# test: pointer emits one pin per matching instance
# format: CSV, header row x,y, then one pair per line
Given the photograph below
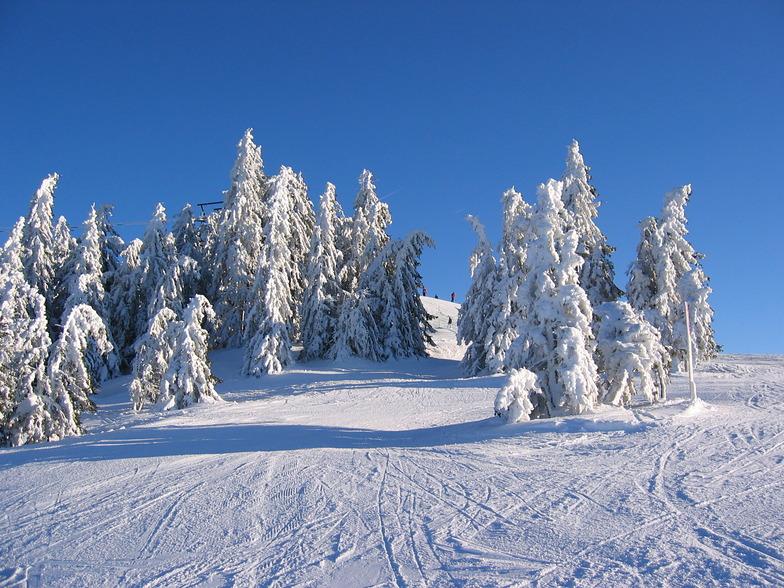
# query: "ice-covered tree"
x,y
270,323
476,317
556,338
78,360
323,295
521,398
38,239
237,245
189,379
154,349
666,272
368,231
630,356
579,196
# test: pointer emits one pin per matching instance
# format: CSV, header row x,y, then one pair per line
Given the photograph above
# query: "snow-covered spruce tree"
x,y
520,398
403,319
598,273
641,287
629,355
238,239
659,283
38,239
476,316
80,352
556,338
151,362
188,379
323,295
28,412
110,243
124,303
509,314
269,327
63,246
368,232
357,332
186,234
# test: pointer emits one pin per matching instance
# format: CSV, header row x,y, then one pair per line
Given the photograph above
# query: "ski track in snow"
x,y
396,474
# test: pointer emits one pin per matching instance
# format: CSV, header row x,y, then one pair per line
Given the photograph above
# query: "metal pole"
x,y
692,385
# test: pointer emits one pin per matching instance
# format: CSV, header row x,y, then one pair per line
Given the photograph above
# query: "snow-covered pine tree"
x,y
185,231
556,338
28,412
323,295
269,327
509,314
368,231
63,246
38,239
403,320
598,273
154,349
80,352
188,379
357,332
629,355
641,287
476,317
667,272
238,241
84,285
111,244
124,304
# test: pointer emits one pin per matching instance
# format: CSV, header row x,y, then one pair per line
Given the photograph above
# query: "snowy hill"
x,y
397,474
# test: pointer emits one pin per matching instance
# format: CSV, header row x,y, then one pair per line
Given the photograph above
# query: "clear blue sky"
x,y
449,103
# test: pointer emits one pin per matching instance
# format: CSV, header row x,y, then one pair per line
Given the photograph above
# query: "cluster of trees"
x,y
265,272
546,310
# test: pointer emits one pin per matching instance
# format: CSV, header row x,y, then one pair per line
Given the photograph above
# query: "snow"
x,y
397,474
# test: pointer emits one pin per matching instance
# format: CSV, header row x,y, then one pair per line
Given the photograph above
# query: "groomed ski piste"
x,y
398,474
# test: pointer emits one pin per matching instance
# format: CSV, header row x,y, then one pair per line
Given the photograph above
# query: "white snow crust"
x,y
398,474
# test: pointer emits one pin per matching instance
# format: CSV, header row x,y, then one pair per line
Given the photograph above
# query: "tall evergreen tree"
x,y
598,273
270,324
368,231
188,379
124,304
38,239
323,295
476,317
667,272
154,350
238,241
556,341
509,314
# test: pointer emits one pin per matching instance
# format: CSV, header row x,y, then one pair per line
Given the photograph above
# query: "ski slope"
x,y
397,474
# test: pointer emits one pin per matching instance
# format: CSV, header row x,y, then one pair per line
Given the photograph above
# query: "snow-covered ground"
x,y
397,474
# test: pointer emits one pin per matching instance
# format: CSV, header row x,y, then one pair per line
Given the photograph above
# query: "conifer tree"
x,y
630,356
476,317
598,273
666,272
78,355
270,323
323,295
509,314
28,413
368,231
154,350
38,239
124,304
238,241
188,379
556,340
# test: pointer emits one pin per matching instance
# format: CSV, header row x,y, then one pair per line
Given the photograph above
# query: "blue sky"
x,y
448,103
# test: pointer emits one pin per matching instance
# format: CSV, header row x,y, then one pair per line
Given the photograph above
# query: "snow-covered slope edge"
x,y
362,474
